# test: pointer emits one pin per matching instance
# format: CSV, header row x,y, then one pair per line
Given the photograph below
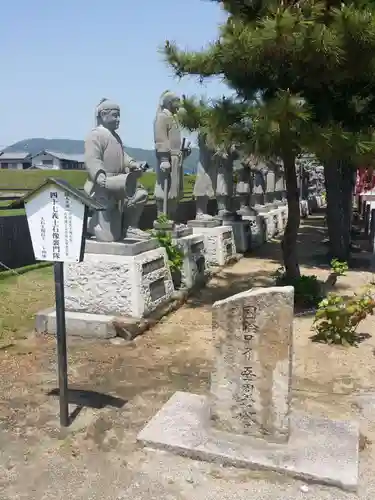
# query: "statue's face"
x,y
174,105
111,119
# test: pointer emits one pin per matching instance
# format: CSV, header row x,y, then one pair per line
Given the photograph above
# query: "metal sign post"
x,y
62,362
57,219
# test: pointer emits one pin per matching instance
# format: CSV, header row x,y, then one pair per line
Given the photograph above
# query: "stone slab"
x,y
119,285
204,223
127,247
176,231
98,326
319,449
193,272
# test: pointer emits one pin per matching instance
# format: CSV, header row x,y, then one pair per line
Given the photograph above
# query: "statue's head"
x,y
108,114
170,101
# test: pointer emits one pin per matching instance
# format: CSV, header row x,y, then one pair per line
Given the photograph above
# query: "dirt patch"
x,y
142,375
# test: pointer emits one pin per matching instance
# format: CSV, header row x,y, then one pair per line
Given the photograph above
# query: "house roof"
x,y
21,155
62,156
79,195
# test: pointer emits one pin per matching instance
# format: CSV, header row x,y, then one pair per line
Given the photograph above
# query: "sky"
x,y
59,58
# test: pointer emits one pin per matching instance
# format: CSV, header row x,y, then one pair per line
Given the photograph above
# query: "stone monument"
x,y
244,190
247,420
170,154
113,179
171,150
215,178
125,272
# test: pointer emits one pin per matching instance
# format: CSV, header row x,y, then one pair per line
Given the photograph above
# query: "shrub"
x,y
307,289
339,268
337,318
174,254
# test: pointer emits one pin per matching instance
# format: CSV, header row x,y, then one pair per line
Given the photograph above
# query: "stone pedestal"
x,y
129,278
257,229
219,241
284,216
241,234
246,420
193,270
269,224
304,208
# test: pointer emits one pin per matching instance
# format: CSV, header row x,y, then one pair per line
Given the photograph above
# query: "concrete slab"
x,y
204,223
128,247
319,450
78,324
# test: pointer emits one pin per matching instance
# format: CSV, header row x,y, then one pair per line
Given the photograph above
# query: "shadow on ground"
x,y
89,399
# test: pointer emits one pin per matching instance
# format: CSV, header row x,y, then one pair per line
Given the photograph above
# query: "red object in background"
x,y
365,180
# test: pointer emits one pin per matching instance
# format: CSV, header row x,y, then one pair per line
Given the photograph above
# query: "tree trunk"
x,y
289,242
339,188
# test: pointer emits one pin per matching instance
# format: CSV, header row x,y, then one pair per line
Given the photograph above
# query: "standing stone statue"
x,y
244,185
214,177
169,153
113,180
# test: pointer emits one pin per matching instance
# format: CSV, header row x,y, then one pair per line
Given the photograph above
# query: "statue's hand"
x,y
101,180
165,166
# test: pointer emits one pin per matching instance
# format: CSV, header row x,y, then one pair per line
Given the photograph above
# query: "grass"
x,y
20,298
19,180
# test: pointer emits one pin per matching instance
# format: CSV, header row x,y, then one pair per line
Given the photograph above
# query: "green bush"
x,y
174,254
339,268
337,318
307,289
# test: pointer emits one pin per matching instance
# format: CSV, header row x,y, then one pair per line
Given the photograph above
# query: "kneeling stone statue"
x,y
113,180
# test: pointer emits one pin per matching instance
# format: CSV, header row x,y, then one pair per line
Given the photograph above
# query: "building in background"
x,y
51,160
15,161
44,160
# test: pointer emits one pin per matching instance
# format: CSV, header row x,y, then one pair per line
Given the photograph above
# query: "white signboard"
x,y
55,221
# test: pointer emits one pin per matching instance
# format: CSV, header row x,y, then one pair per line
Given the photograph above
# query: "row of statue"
x,y
113,176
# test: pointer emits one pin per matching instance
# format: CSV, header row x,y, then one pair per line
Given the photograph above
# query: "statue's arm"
x,y
161,132
94,156
129,162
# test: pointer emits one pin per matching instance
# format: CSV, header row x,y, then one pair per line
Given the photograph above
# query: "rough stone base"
x,y
269,225
118,285
242,234
319,450
193,271
219,244
257,229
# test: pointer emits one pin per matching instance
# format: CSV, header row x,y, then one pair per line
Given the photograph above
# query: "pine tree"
x,y
312,64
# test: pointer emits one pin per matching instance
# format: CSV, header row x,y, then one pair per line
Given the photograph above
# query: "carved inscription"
x,y
245,396
157,289
153,265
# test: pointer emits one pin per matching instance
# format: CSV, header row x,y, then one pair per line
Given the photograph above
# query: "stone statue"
x,y
113,180
170,153
244,185
214,177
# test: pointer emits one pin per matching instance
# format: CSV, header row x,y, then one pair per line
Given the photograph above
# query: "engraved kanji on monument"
x,y
251,381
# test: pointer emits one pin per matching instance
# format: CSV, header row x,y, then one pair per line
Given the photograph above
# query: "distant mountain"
x,y
71,146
